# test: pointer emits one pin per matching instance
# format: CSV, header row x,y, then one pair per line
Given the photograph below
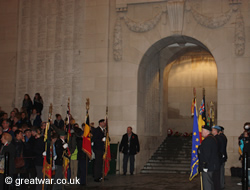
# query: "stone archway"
x,y
155,115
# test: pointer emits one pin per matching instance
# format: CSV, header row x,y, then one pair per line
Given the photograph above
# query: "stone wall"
x,y
192,70
8,52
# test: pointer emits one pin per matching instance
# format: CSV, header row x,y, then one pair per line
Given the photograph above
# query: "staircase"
x,y
173,156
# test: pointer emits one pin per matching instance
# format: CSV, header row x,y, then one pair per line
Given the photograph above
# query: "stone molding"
x,y
175,12
239,35
212,22
142,26
176,15
117,44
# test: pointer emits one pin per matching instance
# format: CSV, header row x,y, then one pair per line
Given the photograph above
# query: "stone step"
x,y
164,172
172,156
167,168
182,165
173,152
170,161
167,146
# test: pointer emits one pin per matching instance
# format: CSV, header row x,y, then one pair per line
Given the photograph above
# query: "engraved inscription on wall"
x,y
48,52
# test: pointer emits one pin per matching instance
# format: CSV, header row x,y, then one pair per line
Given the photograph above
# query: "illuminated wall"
x,y
194,69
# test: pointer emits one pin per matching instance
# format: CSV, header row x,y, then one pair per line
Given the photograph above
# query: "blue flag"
x,y
195,145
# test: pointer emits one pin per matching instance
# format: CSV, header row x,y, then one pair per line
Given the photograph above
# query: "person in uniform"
x,y
129,147
209,160
60,146
98,140
81,155
224,157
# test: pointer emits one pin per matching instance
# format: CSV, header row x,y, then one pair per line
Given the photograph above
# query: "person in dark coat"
x,y
38,103
7,129
98,140
129,147
81,156
60,146
209,160
10,148
35,118
59,123
25,120
27,104
73,150
38,149
224,156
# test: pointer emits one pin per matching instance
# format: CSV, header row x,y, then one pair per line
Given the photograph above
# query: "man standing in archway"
x,y
209,160
129,147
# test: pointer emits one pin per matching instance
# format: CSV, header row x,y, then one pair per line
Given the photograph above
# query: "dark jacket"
x,y
224,147
209,154
72,142
60,124
12,153
134,147
59,152
37,122
38,149
27,104
38,105
25,121
28,147
97,139
80,154
19,145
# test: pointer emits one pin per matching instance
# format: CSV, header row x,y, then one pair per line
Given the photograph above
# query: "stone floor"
x,y
151,181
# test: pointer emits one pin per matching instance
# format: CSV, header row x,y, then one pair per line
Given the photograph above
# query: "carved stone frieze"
x,y
117,43
212,22
142,26
239,35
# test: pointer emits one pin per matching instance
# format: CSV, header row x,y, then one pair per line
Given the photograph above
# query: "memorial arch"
x,y
167,74
166,78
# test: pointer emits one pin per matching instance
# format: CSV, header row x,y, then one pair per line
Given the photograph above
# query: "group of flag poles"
x,y
86,145
199,119
198,122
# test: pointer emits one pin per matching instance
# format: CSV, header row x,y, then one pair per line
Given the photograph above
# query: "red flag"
x,y
47,168
107,158
86,141
107,155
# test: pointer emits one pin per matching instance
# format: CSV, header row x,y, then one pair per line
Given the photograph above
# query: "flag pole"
x,y
45,139
201,181
87,113
105,153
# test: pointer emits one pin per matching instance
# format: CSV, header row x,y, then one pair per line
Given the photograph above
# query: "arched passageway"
x,y
167,74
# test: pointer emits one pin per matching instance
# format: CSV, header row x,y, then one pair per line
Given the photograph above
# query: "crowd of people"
x,y
23,134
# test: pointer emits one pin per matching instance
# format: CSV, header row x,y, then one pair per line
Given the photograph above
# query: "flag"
x,y
47,160
202,116
86,141
195,144
107,154
192,107
66,167
211,111
68,123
